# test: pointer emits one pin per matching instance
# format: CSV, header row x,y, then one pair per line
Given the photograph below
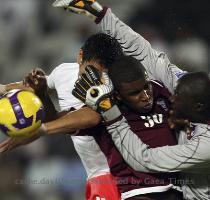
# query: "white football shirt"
x,y
62,79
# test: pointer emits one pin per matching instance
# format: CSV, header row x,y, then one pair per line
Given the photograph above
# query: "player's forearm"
x,y
16,85
73,121
156,63
187,157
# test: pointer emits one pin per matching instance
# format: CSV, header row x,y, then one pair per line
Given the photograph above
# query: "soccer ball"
x,y
21,113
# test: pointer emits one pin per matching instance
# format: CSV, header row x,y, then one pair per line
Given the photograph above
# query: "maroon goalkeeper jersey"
x,y
153,130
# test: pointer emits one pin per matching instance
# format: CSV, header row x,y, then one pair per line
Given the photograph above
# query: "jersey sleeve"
x,y
156,63
51,80
191,157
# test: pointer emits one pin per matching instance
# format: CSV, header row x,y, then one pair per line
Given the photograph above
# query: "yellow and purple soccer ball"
x,y
21,113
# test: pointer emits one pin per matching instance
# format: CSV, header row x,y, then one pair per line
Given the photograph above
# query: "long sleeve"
x,y
156,63
191,157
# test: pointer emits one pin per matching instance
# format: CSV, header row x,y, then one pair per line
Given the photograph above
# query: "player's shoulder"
x,y
64,70
66,66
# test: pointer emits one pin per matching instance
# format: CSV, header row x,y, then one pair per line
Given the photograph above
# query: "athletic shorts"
x,y
102,188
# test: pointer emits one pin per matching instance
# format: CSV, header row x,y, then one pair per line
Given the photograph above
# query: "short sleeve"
x,y
51,79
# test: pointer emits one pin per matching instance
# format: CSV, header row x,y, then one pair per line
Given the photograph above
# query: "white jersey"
x,y
62,79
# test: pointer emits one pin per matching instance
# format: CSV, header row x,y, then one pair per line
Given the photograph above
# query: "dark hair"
x,y
102,48
197,86
126,69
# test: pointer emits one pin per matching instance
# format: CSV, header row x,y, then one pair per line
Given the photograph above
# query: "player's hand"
x,y
36,79
90,8
12,143
178,124
92,91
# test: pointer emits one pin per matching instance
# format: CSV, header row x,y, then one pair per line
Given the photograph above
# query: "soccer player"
x,y
191,102
99,50
145,104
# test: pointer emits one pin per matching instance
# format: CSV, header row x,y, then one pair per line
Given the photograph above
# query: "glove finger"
x,y
107,80
79,85
75,10
93,74
86,82
78,95
71,10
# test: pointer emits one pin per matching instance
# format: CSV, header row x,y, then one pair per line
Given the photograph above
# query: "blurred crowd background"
x,y
34,34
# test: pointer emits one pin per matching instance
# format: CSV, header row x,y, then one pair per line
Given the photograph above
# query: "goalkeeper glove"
x,y
93,92
90,8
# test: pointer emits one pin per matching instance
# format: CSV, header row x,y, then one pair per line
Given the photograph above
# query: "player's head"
x,y
131,82
99,50
192,98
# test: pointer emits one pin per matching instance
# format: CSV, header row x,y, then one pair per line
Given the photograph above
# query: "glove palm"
x,y
92,91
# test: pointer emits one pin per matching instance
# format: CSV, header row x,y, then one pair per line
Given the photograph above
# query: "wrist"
x,y
96,6
101,15
42,130
112,114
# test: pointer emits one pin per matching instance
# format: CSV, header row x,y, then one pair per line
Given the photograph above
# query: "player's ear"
x,y
80,57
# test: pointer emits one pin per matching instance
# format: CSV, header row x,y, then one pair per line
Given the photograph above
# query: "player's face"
x,y
182,104
138,95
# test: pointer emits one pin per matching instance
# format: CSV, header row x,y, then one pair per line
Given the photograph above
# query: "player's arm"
x,y
187,157
63,122
71,122
37,81
10,86
156,63
55,122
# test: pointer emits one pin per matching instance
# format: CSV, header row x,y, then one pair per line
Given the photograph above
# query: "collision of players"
x,y
122,114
